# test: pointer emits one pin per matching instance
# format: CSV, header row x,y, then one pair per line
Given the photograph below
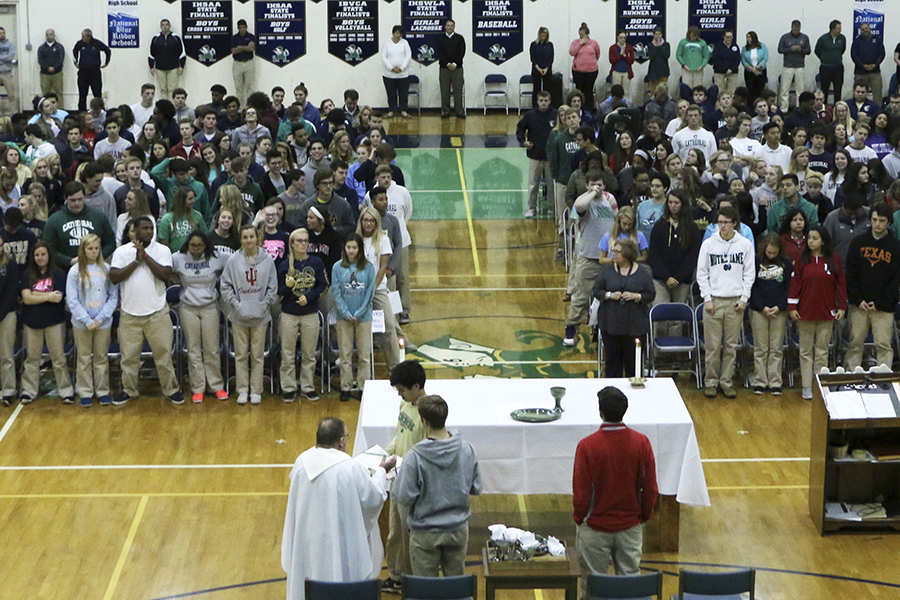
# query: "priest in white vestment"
x,y
331,527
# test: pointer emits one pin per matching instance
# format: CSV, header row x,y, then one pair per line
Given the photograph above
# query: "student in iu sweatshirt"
x,y
249,289
873,281
726,270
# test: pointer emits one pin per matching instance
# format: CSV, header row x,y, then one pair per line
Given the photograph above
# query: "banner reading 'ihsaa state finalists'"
x,y
422,22
871,12
713,17
497,29
352,30
280,31
638,18
123,23
207,30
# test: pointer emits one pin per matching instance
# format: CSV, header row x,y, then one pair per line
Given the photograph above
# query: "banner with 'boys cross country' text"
x,y
497,29
123,23
638,18
871,12
422,22
352,30
207,30
713,17
280,30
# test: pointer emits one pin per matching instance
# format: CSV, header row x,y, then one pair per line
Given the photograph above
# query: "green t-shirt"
x,y
176,233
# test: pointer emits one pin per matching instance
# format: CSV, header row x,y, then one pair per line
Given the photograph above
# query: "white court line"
x,y
741,460
470,191
516,362
529,289
288,466
10,421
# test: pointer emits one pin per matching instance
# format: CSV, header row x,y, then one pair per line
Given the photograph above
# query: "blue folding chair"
x,y
369,589
625,587
694,585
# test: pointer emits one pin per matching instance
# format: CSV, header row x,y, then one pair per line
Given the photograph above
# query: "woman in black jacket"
x,y
674,245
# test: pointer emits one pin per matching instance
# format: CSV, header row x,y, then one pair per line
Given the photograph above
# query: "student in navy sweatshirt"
x,y
768,313
532,131
818,298
873,287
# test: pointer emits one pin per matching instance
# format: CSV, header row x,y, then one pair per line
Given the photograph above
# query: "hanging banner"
x,y
122,22
638,18
207,30
422,22
280,31
352,30
497,29
713,17
871,12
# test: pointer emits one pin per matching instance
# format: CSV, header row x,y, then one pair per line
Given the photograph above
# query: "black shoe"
x,y
403,319
121,399
69,400
7,400
759,390
391,586
445,115
176,398
288,396
345,395
311,395
776,391
462,116
26,399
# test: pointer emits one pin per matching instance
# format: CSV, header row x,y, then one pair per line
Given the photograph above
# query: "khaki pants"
x,y
622,79
587,270
768,348
308,328
791,77
860,323
721,331
389,344
7,359
431,551
249,357
664,294
537,170
396,548
244,78
12,89
595,548
815,336
53,83
201,335
726,83
875,83
92,362
157,330
168,81
361,333
692,78
559,205
401,280
54,337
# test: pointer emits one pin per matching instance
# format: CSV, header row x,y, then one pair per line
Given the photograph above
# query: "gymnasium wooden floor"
x,y
154,501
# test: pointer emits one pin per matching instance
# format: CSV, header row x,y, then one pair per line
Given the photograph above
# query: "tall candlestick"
x,y
638,367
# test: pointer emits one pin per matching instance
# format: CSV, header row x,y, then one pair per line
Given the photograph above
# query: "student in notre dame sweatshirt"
x,y
873,287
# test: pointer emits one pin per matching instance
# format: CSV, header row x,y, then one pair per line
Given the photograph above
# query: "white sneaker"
x,y
255,398
807,393
242,398
568,341
529,213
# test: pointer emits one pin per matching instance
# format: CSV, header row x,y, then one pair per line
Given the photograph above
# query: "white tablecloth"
x,y
537,458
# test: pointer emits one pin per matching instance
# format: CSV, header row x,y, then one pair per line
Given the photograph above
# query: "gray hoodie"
x,y
435,481
249,288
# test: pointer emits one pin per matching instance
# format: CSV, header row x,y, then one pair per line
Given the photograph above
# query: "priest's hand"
x,y
389,462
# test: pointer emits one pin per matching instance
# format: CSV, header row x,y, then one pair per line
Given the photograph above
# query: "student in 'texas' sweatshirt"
x,y
249,289
873,287
726,270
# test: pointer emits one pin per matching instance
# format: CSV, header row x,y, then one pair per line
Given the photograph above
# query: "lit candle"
x,y
402,344
638,367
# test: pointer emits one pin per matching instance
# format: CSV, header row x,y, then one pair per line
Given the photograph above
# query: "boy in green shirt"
x,y
408,378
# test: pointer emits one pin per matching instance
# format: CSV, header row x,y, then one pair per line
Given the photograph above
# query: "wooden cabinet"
x,y
850,480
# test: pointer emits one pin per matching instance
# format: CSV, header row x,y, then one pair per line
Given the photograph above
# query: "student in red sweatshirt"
x,y
613,491
817,298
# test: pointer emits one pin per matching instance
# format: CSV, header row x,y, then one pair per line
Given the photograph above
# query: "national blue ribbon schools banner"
x,y
497,29
207,30
352,30
713,17
123,23
639,18
422,22
871,12
280,31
